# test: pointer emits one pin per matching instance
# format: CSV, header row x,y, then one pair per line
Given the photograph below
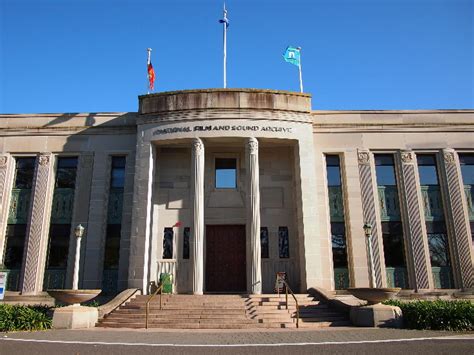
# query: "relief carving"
x,y
449,158
363,157
198,146
407,157
43,160
252,144
3,161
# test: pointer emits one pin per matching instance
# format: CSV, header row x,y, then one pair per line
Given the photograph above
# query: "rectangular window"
x,y
186,235
15,234
467,168
336,214
112,246
427,170
168,243
283,243
66,172
58,246
24,171
264,243
226,173
118,172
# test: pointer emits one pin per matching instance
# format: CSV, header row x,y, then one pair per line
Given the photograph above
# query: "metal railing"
x,y
287,288
148,304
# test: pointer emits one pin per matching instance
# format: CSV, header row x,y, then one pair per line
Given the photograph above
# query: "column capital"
x,y
407,156
198,146
449,156
3,161
252,145
363,156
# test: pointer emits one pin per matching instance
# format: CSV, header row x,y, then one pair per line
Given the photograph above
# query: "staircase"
x,y
222,312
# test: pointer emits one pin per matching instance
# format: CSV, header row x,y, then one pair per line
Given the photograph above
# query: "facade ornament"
x,y
3,161
252,144
363,157
198,146
43,160
407,157
449,157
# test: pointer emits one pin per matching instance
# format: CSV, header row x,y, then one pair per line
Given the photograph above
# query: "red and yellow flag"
x,y
151,76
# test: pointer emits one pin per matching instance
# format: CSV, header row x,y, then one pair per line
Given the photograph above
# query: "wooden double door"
x,y
225,259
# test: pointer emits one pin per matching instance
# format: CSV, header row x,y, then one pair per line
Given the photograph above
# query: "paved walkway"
x,y
230,337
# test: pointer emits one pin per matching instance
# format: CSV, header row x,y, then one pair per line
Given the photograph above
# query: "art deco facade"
x,y
224,188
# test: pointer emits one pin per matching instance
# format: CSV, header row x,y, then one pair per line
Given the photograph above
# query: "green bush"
x,y
436,315
14,318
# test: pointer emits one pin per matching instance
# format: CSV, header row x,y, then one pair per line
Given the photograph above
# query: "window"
x,y
118,172
66,172
24,171
333,170
14,247
385,169
283,243
226,173
427,170
186,235
168,243
264,250
112,246
338,238
467,168
58,245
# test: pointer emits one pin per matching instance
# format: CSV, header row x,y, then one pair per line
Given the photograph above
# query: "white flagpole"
x,y
225,47
301,74
147,64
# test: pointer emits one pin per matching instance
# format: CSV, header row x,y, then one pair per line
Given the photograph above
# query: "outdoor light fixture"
x,y
368,230
79,231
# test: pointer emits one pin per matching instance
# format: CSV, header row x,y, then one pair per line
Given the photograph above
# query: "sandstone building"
x,y
223,188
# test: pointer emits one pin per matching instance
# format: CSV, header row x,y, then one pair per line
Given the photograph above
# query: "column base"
x,y
377,315
75,317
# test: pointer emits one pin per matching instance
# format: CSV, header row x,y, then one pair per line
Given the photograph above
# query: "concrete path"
x,y
340,340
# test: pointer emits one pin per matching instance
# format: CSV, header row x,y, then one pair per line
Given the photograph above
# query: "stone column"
x,y
371,212
457,219
411,208
197,171
37,231
253,215
6,179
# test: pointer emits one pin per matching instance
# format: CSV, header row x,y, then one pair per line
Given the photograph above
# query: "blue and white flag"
x,y
292,55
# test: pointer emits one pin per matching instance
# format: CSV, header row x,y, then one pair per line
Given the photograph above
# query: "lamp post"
x,y
368,233
78,232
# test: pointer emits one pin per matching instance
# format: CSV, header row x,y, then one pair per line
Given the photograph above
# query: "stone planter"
x,y
374,295
73,296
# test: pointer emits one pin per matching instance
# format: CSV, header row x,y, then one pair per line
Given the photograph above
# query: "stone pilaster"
x,y
371,212
253,216
80,214
139,260
6,179
416,240
457,219
37,231
197,241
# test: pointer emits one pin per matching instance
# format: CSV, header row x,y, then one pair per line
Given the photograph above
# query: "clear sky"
x,y
90,55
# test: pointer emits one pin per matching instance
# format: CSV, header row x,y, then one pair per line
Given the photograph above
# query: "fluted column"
x,y
458,219
197,170
37,231
371,212
253,215
414,222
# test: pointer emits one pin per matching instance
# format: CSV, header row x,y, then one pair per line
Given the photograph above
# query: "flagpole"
x,y
225,47
148,63
301,74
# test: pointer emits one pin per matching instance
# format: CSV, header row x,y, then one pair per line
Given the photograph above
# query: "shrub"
x,y
436,315
15,317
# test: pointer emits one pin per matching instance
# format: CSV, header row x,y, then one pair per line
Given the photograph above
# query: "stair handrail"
x,y
148,303
287,287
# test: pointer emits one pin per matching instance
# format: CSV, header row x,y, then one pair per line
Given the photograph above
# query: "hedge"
x,y
436,315
15,317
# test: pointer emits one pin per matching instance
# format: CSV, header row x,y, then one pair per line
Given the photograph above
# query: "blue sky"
x,y
90,55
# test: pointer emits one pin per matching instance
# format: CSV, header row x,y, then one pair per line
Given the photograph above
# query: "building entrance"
x,y
225,258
